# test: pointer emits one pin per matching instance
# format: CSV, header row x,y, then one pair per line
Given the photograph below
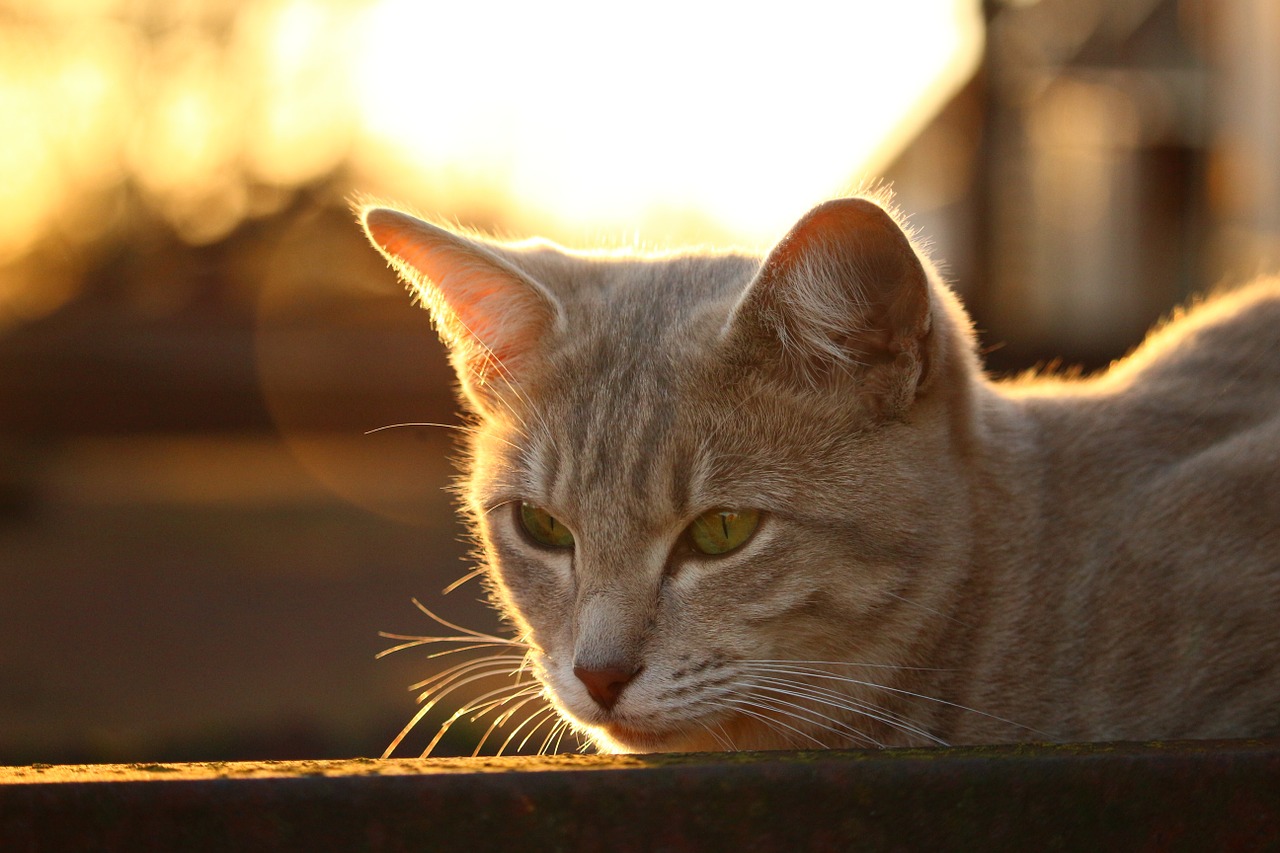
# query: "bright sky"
x,y
670,122
599,115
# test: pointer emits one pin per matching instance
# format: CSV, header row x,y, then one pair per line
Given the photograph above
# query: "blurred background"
x,y
198,540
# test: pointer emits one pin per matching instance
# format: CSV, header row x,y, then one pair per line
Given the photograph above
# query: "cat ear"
x,y
489,314
844,293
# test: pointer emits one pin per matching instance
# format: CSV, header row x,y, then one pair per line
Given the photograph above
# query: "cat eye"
x,y
543,527
722,530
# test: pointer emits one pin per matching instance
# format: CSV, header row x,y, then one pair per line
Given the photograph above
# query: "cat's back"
x,y
1152,526
1229,344
1207,376
1172,457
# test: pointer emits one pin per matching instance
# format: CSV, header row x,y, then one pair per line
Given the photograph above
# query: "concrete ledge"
x,y
1179,796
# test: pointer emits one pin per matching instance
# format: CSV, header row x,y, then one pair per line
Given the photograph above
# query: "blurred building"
x,y
1111,158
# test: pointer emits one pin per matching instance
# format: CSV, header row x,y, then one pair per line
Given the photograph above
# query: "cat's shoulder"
x,y
1231,334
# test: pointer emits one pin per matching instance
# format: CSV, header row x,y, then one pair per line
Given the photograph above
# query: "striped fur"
x,y
941,558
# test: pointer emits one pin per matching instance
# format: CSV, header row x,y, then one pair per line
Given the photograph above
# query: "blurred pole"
x,y
1244,101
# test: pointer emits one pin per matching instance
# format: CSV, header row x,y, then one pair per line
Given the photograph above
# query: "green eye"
x,y
543,527
722,530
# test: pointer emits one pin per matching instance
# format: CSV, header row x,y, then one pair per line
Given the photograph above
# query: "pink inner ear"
x,y
474,298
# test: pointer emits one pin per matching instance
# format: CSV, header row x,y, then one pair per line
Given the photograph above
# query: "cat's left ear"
x,y
842,295
489,314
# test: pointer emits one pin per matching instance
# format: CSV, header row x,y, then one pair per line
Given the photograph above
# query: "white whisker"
x,y
744,706
865,710
842,726
817,673
721,737
810,716
844,702
928,609
855,664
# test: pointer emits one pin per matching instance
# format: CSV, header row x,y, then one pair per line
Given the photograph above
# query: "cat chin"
x,y
619,738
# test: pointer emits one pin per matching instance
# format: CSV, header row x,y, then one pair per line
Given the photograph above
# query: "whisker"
x,y
817,673
518,687
842,727
471,648
549,714
527,690
842,702
721,738
813,717
439,692
851,664
458,427
462,428
479,635
498,721
540,713
467,709
743,705
476,572
498,664
413,721
415,642
848,703
509,657
453,678
928,609
558,728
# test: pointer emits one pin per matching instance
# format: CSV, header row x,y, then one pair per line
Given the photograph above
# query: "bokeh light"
x,y
694,120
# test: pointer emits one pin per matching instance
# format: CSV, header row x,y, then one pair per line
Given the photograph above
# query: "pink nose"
x,y
605,685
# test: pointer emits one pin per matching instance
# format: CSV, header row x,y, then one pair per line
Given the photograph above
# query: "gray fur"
x,y
941,558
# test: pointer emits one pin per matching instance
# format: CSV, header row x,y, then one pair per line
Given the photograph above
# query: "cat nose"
x,y
605,685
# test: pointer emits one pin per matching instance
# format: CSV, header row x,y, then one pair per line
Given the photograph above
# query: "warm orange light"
x,y
578,119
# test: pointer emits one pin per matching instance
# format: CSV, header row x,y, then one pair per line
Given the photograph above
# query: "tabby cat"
x,y
733,502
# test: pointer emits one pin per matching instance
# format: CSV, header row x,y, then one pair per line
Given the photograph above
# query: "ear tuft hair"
x,y
842,293
489,314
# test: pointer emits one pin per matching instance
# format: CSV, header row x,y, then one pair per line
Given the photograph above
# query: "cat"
x,y
743,502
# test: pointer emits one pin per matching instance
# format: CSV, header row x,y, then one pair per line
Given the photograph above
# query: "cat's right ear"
x,y
843,296
489,314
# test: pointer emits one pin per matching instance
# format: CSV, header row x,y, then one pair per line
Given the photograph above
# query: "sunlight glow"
x,y
578,120
301,54
595,113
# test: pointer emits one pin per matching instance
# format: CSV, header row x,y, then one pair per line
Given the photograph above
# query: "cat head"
x,y
688,465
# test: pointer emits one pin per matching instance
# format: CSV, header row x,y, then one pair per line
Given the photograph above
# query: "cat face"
x,y
697,476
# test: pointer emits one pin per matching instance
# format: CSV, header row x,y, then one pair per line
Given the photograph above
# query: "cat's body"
x,y
920,555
